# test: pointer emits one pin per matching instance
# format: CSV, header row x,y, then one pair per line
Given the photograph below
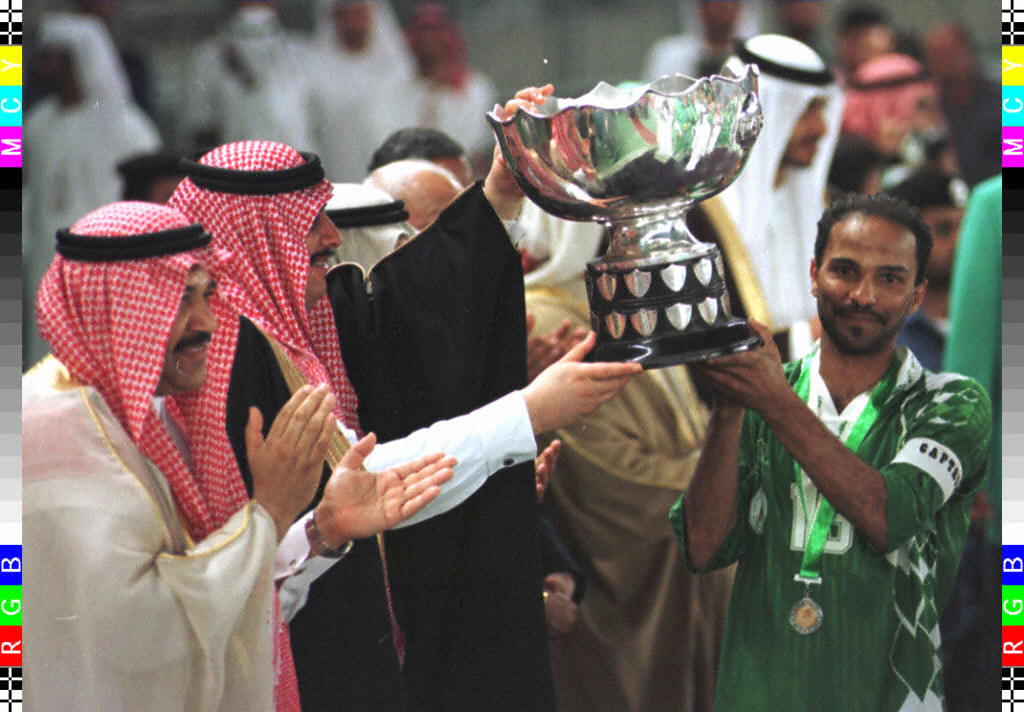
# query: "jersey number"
x,y
840,535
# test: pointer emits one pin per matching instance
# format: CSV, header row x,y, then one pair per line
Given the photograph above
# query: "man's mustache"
x,y
866,311
327,252
196,339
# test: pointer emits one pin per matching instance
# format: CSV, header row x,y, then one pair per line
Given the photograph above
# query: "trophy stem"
x,y
649,239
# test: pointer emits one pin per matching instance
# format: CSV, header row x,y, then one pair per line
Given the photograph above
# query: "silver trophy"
x,y
636,160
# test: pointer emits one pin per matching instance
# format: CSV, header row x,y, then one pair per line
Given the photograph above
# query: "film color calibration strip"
x,y
1013,355
10,354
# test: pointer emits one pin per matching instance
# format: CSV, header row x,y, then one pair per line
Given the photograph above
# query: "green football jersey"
x,y
877,647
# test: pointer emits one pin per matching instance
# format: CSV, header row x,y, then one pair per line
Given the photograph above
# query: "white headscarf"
x,y
682,52
71,167
385,54
357,95
565,246
365,245
253,80
778,226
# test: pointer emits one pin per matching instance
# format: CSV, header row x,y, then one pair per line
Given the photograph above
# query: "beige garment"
x,y
127,614
648,633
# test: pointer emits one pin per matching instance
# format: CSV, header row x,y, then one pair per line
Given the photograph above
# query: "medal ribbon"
x,y
810,566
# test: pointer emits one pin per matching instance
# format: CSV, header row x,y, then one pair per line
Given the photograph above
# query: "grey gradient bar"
x,y
1013,364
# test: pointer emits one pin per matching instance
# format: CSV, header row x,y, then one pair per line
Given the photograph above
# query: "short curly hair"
x,y
883,206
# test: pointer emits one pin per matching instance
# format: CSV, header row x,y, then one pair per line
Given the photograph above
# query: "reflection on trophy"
x,y
635,160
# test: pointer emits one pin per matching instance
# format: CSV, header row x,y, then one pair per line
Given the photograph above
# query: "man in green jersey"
x,y
841,483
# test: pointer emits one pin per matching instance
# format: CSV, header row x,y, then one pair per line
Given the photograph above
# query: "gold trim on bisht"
x,y
293,377
743,275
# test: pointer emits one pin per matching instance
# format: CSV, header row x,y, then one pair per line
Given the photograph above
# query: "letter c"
x,y
1020,106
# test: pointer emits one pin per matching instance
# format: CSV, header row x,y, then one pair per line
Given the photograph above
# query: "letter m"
x,y
1017,147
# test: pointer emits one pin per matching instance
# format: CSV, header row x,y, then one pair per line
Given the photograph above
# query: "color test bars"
x,y
1013,350
10,353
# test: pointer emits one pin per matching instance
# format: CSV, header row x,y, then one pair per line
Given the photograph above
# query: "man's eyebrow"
x,y
893,268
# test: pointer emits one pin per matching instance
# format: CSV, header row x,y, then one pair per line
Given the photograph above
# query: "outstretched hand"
x,y
544,465
358,503
570,389
286,465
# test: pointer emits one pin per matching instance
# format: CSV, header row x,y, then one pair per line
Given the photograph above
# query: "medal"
x,y
805,616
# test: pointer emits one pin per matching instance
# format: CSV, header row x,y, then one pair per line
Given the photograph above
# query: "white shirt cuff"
x,y
298,570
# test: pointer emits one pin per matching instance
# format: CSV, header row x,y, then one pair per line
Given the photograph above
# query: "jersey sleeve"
x,y
943,458
738,540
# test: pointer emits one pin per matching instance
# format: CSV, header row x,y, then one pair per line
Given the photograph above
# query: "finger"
x,y
284,415
577,352
763,331
435,478
296,424
411,506
409,469
253,431
323,438
315,440
353,459
560,333
604,371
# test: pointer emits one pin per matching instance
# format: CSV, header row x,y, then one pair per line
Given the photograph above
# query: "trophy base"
x,y
664,313
672,350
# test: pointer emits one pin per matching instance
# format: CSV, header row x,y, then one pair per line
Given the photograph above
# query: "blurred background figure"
x,y
941,198
365,63
424,187
968,98
371,223
135,64
447,93
781,192
863,33
892,102
856,168
802,20
430,145
150,177
78,133
710,27
253,80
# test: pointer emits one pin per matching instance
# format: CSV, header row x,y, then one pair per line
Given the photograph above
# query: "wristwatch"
x,y
317,545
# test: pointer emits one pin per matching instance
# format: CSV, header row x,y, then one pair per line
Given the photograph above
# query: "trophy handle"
x,y
748,126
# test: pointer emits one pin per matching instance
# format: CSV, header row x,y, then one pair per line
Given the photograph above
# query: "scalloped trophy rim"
x,y
640,92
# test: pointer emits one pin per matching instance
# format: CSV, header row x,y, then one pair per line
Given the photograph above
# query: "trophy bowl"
x,y
636,160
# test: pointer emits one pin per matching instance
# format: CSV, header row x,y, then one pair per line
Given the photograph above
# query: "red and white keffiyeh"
x,y
266,233
108,323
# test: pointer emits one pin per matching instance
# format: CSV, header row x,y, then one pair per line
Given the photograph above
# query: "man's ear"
x,y
814,279
919,292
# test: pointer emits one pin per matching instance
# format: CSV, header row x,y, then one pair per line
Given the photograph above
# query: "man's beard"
x,y
884,338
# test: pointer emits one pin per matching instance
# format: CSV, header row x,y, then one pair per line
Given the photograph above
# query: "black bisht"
x,y
442,332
